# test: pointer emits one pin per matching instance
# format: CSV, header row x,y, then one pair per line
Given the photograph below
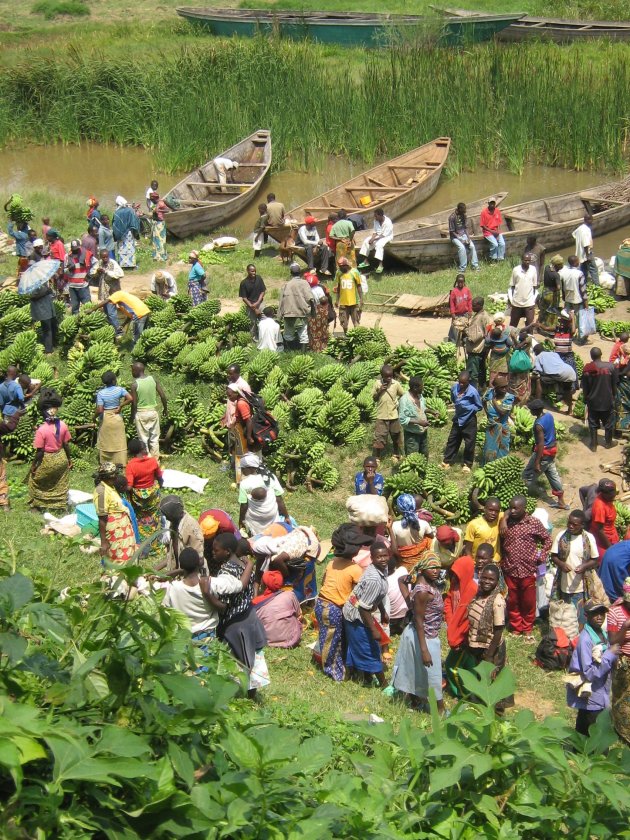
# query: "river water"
x,y
107,171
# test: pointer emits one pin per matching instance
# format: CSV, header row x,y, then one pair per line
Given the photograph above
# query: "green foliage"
x,y
50,9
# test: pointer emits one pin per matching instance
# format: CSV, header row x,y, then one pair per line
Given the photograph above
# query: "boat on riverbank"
x,y
352,29
395,186
558,30
204,204
552,220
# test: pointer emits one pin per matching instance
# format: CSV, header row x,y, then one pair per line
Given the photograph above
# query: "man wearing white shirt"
x,y
573,285
314,245
163,284
383,233
584,249
222,166
522,293
269,336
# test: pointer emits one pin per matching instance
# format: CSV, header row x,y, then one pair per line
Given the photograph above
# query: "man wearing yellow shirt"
x,y
348,294
484,529
132,308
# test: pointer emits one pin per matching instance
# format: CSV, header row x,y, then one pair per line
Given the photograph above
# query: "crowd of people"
x,y
390,571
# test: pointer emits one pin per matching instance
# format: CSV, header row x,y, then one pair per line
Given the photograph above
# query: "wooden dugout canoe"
x,y
551,220
558,30
351,29
203,205
395,186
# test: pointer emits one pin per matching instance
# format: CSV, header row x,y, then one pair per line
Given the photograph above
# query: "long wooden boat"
x,y
558,30
551,220
358,29
395,186
204,204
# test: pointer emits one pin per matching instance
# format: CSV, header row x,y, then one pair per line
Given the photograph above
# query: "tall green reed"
x,y
502,106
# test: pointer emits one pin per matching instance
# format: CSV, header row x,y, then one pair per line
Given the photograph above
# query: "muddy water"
x,y
106,171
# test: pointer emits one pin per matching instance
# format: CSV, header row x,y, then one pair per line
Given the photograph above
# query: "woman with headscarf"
x,y
111,440
158,226
498,404
144,480
418,663
126,230
410,536
486,618
197,289
293,554
363,634
340,578
93,213
619,633
563,341
49,476
118,542
183,531
279,612
499,347
318,326
462,589
521,380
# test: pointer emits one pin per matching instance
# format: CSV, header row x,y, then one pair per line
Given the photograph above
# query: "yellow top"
x,y
479,531
131,305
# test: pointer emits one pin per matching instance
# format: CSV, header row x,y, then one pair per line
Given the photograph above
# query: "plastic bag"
x,y
520,362
367,510
586,322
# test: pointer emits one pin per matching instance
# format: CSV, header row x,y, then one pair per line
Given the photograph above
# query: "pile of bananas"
x,y
579,409
360,343
502,478
17,211
622,522
599,298
16,321
206,258
299,457
608,329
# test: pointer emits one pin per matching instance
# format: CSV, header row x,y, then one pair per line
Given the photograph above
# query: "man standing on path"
x,y
252,293
475,345
491,221
459,231
522,293
599,386
348,294
525,543
543,459
386,394
573,286
584,249
467,403
342,233
296,306
383,233
144,393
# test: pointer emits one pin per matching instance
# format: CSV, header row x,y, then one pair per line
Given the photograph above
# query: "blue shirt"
x,y
21,238
546,423
110,397
467,403
615,568
360,484
196,274
549,363
11,397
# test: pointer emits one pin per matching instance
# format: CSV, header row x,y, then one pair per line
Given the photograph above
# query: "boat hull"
x,y
558,30
349,29
427,252
198,215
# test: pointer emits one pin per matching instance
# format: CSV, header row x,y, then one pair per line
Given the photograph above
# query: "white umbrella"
x,y
37,275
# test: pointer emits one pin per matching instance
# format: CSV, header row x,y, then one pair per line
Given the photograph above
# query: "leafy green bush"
x,y
51,9
109,729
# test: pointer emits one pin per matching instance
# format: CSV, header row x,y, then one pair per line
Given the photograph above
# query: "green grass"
x,y
51,9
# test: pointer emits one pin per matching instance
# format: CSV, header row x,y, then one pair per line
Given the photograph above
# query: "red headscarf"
x,y
274,582
456,601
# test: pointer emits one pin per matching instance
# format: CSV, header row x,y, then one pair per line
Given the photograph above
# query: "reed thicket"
x,y
501,105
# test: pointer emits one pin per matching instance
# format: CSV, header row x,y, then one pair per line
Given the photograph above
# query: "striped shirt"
x,y
618,614
368,593
474,614
110,397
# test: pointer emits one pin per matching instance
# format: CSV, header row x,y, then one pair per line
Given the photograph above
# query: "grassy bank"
x,y
501,106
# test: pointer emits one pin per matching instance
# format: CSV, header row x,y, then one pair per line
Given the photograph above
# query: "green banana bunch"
x,y
399,483
17,211
599,298
608,329
325,472
437,411
326,376
434,479
305,405
416,463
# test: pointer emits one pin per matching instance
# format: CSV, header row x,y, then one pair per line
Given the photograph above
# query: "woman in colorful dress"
x,y
126,230
118,542
520,381
197,288
318,326
111,440
460,306
49,476
498,404
144,479
341,576
418,663
549,298
499,346
462,589
158,227
411,536
563,341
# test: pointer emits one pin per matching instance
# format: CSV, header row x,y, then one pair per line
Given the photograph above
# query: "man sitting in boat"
x,y
275,211
491,221
383,233
224,166
459,232
314,245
